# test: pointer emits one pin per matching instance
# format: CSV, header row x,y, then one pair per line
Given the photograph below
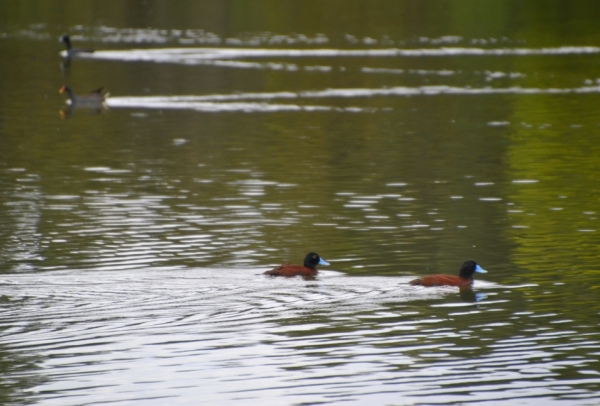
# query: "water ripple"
x,y
328,334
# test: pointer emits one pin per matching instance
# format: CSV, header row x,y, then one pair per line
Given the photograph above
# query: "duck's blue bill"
x,y
480,269
323,262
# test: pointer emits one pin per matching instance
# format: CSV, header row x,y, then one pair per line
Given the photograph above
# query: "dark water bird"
x,y
70,51
465,278
95,97
93,101
309,269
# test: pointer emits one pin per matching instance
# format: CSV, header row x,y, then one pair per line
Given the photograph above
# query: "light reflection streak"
x,y
200,55
239,102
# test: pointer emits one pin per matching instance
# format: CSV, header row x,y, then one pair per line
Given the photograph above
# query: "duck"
x,y
309,269
70,52
465,278
95,98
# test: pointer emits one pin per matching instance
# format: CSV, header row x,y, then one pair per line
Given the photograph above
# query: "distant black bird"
x,y
92,99
73,51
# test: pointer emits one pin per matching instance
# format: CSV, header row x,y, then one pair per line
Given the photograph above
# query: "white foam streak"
x,y
197,55
176,102
238,102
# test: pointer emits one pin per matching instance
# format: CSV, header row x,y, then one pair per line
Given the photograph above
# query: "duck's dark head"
x,y
312,260
469,268
66,40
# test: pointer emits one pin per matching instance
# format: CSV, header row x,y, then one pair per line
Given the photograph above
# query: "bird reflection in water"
x,y
93,101
467,295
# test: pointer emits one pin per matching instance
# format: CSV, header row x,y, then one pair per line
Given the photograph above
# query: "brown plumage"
x,y
309,269
464,279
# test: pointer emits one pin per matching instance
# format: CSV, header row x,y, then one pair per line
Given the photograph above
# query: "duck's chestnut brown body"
x,y
309,269
464,279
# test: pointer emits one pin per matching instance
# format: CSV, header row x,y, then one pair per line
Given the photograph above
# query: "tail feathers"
x,y
274,272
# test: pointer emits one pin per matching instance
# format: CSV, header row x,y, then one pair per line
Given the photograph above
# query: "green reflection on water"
x,y
555,220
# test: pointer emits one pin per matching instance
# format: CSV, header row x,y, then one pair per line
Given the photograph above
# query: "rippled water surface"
x,y
395,139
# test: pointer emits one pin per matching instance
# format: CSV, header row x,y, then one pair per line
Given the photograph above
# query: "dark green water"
x,y
396,139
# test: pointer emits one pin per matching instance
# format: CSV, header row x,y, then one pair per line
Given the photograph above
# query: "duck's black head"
x,y
469,268
312,260
66,40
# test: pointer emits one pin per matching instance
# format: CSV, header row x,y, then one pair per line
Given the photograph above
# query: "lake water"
x,y
396,139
